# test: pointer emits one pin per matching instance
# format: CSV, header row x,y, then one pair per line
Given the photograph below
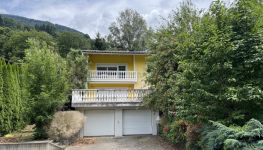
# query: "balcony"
x,y
109,97
112,76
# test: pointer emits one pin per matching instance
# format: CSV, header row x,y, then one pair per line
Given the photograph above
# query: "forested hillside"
x,y
125,34
15,31
37,23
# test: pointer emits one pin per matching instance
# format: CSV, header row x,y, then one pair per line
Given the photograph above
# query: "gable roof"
x,y
110,52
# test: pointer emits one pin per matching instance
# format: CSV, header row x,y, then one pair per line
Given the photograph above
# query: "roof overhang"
x,y
110,52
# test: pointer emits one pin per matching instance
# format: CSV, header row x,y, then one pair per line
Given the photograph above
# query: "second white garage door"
x,y
137,122
99,123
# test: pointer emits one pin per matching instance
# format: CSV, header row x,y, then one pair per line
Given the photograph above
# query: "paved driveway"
x,y
125,143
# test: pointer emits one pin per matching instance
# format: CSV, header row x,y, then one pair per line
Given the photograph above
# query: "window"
x,y
110,67
110,70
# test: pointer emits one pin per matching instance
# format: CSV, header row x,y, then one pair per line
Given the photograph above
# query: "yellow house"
x,y
112,100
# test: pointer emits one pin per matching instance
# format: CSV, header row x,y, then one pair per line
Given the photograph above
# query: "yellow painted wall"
x,y
114,59
133,62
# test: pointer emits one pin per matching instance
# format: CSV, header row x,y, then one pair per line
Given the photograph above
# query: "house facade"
x,y
112,100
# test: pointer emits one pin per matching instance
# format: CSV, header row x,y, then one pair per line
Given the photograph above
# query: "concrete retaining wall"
x,y
36,145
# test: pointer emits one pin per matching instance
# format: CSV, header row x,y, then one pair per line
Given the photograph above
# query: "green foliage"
x,y
176,131
31,23
100,43
129,32
8,22
50,29
48,84
181,132
15,31
165,54
68,40
1,21
209,66
218,136
78,69
13,98
14,43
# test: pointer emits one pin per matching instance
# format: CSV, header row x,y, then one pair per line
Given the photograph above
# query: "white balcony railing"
x,y
110,76
108,96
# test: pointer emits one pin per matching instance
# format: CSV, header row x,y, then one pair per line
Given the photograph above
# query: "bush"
x,y
175,131
192,134
66,125
218,136
180,132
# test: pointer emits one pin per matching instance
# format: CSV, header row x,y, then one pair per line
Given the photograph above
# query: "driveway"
x,y
125,143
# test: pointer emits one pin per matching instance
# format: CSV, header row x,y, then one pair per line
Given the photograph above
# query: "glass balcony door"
x,y
111,71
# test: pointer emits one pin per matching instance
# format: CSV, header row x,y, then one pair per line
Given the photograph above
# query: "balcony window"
x,y
111,70
110,67
112,73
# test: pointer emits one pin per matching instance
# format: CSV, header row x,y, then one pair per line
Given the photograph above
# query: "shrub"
x,y
218,136
175,131
192,135
65,125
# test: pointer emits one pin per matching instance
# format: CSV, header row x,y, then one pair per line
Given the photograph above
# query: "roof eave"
x,y
104,52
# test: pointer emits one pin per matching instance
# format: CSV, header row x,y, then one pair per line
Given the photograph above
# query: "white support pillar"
x,y
118,122
155,118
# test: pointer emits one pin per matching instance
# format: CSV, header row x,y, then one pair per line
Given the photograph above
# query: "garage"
x,y
99,123
137,122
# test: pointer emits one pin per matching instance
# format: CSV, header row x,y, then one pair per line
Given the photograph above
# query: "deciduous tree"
x,y
48,83
128,32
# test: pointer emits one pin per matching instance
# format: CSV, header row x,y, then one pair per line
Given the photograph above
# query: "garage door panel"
x,y
99,123
137,122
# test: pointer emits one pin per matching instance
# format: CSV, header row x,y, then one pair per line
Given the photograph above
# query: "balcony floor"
x,y
108,98
107,104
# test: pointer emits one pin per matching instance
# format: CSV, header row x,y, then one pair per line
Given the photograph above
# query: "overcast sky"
x,y
92,16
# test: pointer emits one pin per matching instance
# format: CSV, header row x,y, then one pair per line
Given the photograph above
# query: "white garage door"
x,y
137,122
99,123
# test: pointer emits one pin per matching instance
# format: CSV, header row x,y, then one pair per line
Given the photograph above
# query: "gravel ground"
x,y
125,143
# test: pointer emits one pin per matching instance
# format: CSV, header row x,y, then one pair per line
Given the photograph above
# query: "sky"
x,y
92,16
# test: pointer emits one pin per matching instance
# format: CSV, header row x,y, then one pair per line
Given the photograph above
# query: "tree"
x,y
219,136
128,32
219,72
166,48
48,84
78,69
12,105
1,21
100,43
4,36
49,28
68,40
15,43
